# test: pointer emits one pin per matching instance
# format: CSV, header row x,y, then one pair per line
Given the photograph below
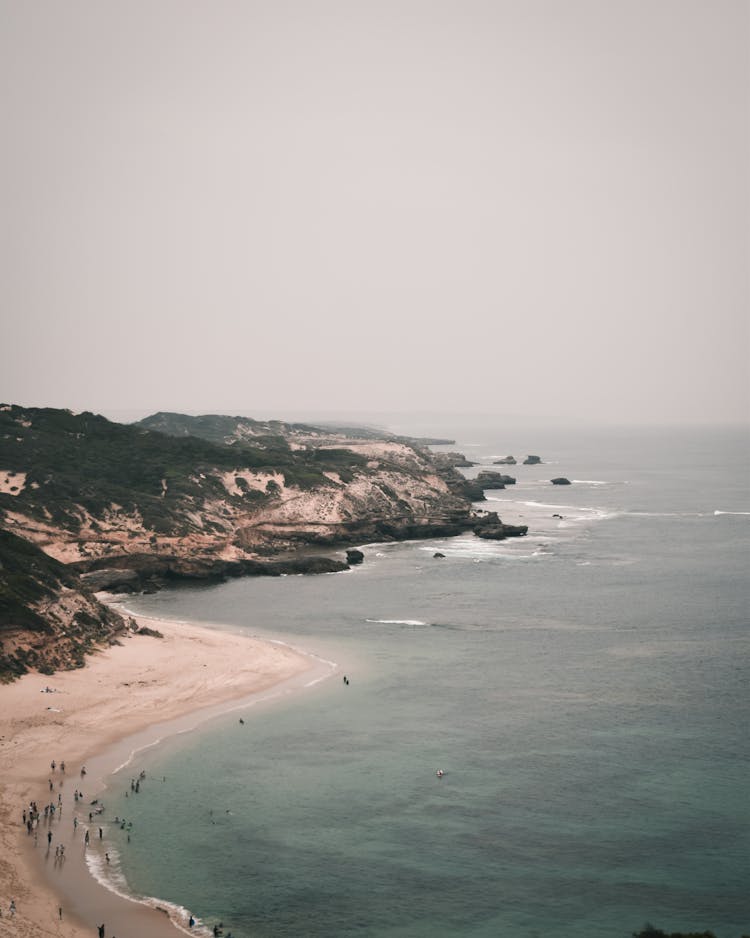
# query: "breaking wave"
x,y
110,876
397,621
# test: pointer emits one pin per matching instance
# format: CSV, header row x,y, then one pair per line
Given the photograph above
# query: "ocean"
x,y
583,689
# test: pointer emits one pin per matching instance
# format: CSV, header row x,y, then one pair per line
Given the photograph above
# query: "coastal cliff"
x,y
48,620
86,490
131,507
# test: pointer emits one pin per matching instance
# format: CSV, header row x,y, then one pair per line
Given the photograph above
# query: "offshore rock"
x,y
532,461
492,528
354,556
506,461
560,480
494,480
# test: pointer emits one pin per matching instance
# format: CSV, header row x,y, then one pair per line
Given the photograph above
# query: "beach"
x,y
127,697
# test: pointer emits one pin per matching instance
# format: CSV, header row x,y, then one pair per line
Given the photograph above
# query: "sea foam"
x,y
397,621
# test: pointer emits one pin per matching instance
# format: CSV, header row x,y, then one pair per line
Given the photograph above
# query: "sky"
x,y
531,207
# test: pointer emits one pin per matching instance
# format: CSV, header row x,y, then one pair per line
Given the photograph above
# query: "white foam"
x,y
110,876
717,512
397,621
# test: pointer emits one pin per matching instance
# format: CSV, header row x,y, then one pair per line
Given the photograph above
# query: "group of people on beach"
x,y
33,817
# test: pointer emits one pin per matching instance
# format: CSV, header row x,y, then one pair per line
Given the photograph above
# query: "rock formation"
x,y
452,460
493,480
48,620
127,508
492,528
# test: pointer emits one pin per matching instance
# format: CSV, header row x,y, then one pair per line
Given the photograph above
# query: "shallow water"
x,y
585,690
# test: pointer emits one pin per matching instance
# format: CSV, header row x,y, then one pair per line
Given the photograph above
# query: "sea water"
x,y
583,689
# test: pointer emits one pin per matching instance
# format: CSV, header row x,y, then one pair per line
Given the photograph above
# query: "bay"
x,y
584,690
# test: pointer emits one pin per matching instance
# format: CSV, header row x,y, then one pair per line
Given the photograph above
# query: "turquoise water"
x,y
585,691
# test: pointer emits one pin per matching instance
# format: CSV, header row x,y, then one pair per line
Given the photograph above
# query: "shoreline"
x,y
127,698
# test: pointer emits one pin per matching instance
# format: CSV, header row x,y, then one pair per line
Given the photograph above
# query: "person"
x,y
12,907
59,912
191,921
101,930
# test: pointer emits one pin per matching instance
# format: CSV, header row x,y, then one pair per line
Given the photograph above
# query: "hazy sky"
x,y
538,207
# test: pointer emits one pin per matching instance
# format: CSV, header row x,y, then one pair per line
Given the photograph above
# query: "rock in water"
x,y
560,480
354,556
492,528
532,461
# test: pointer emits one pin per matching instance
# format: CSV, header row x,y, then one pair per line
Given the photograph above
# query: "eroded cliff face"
x,y
86,504
48,620
88,492
398,495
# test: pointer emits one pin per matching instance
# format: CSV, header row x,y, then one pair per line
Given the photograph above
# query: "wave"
x,y
592,513
397,621
486,551
718,512
111,877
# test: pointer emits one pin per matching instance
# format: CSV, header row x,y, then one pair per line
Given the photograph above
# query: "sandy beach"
x,y
127,697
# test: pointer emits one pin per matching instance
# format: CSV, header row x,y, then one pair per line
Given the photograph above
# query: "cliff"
x,y
85,489
127,507
47,619
133,507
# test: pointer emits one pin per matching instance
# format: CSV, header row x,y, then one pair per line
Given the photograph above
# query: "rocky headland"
x,y
124,508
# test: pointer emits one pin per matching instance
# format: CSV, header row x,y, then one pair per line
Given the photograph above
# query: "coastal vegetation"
x,y
47,619
87,504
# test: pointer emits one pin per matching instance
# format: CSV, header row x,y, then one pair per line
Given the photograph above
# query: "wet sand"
x,y
126,698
